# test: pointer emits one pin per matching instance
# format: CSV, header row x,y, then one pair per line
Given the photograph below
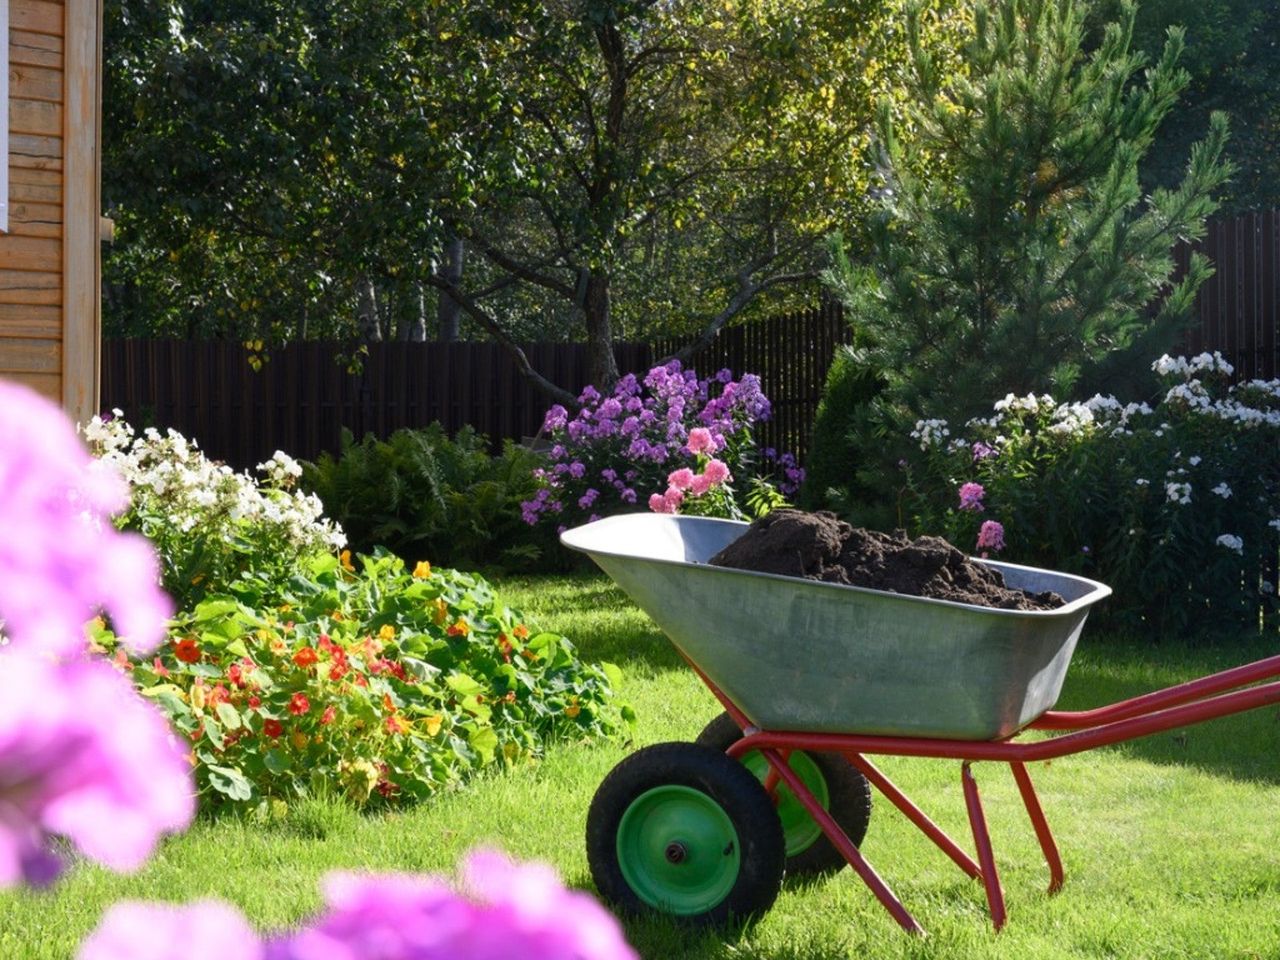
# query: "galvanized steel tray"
x,y
802,655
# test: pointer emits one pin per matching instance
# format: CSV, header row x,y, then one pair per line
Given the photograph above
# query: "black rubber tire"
x,y
731,786
849,801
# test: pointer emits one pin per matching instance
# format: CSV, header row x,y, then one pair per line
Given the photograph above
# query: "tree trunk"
x,y
602,368
411,312
448,310
367,324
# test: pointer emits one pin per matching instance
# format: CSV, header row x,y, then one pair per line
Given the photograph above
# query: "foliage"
x,y
379,685
1234,66
208,524
1036,261
663,441
421,494
612,168
1177,508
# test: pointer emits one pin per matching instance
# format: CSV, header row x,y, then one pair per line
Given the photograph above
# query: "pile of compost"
x,y
818,546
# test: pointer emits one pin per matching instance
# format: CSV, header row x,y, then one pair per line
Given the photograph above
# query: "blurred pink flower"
x,y
701,484
701,441
61,558
681,479
674,498
509,910
971,495
205,930
991,536
82,756
716,471
658,504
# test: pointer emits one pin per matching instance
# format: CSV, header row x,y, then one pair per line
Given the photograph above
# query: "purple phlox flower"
x,y
724,375
630,427
609,409
991,536
62,560
628,495
627,386
593,518
506,910
576,430
982,450
204,930
558,452
556,418
589,395
633,405
587,499
84,757
577,470
609,474
971,495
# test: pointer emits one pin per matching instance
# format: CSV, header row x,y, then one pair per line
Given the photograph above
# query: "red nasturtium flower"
x,y
306,657
459,629
299,704
255,702
329,713
272,728
187,650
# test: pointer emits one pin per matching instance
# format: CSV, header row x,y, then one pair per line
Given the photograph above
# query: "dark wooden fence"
x,y
303,396
1239,306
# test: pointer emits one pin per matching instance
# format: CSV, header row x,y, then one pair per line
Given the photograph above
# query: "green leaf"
x,y
464,685
230,782
613,672
229,716
483,741
276,761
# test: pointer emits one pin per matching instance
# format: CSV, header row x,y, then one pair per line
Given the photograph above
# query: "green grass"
x,y
1171,843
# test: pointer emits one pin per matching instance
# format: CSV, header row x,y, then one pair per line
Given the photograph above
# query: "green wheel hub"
x,y
678,850
799,830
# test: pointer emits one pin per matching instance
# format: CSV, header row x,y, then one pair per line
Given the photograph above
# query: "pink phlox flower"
x,y
204,930
82,756
717,471
505,910
681,479
658,504
701,441
991,536
701,484
674,498
982,450
971,495
62,559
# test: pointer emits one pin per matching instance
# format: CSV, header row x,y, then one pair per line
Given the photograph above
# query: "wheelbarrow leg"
x,y
842,843
915,814
982,839
1041,825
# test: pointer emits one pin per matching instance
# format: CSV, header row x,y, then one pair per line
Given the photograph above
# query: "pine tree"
x,y
1014,250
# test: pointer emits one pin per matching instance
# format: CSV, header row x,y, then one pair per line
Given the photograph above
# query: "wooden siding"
x,y
49,312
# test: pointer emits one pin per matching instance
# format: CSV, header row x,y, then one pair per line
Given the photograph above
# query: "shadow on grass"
x,y
1241,746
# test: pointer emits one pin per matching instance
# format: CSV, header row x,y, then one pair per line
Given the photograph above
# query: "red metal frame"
x,y
1187,703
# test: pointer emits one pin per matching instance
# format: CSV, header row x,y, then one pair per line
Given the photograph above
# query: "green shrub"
x,y
423,495
209,524
1177,508
378,685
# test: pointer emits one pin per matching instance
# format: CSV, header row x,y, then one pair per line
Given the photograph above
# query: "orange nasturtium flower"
x,y
187,650
397,724
521,631
345,559
299,740
306,657
459,629
572,710
422,570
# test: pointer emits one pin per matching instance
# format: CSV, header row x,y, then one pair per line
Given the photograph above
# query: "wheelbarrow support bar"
x,y
1173,707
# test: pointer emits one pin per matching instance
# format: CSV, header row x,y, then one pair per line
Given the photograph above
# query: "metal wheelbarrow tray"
x,y
811,671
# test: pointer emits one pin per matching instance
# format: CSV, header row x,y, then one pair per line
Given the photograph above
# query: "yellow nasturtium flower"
x,y
422,570
433,724
388,632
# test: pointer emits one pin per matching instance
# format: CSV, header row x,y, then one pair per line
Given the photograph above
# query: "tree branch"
x,y
747,290
495,329
524,271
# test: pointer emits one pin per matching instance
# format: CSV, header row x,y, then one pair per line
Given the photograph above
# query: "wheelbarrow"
x,y
816,677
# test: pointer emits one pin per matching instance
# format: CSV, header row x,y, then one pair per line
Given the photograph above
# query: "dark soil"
x,y
818,546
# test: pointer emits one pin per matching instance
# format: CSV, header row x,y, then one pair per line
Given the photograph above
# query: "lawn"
x,y
1171,843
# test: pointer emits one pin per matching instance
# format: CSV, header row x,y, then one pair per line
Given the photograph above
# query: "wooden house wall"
x,y
49,280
